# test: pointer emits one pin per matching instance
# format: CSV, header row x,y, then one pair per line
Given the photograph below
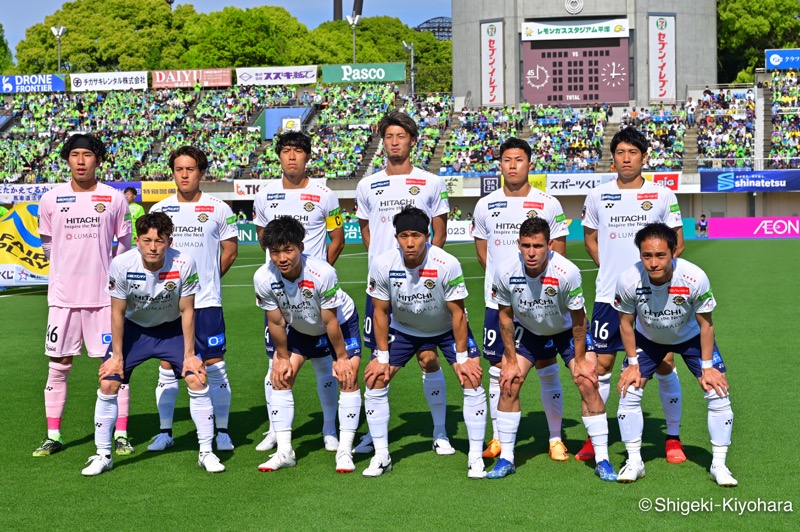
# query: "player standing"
x,y
497,220
78,222
317,208
309,317
152,292
204,229
379,197
424,286
612,214
671,302
136,210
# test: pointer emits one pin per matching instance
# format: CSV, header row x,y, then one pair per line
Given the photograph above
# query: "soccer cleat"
x,y
331,443
378,466
224,442
558,451
442,446
493,449
268,443
605,471
586,453
365,445
475,469
48,447
161,442
278,461
502,469
97,464
722,476
344,462
675,454
122,446
631,472
210,462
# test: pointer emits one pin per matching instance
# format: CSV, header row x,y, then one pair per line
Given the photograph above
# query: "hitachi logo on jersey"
x,y
533,205
204,208
508,226
106,199
83,220
306,283
276,197
550,280
660,313
412,181
498,205
516,280
277,286
135,276
309,197
429,273
396,203
397,274
610,197
628,219
647,196
408,298
188,229
171,208
66,199
174,274
379,184
536,303
644,291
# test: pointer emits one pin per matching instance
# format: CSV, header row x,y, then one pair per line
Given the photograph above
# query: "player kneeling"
x,y
152,292
670,301
542,290
424,287
308,317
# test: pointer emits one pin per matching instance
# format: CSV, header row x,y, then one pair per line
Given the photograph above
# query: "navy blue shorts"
x,y
402,347
652,354
140,344
605,329
369,310
320,346
535,347
209,332
493,345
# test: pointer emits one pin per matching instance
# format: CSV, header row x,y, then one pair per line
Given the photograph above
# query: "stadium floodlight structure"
x,y
410,48
353,21
58,32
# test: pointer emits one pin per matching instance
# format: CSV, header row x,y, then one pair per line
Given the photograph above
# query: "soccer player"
x,y
152,291
78,222
204,229
381,196
702,227
309,317
424,285
542,290
496,229
670,301
317,208
135,209
612,213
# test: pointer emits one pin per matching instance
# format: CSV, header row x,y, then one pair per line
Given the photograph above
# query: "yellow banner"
x,y
153,191
22,260
536,181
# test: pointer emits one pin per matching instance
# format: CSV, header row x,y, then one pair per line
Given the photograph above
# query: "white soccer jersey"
x,y
418,297
316,207
301,302
152,297
665,314
540,304
497,220
199,228
380,196
617,214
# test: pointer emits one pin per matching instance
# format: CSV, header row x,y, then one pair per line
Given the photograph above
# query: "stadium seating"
x,y
785,136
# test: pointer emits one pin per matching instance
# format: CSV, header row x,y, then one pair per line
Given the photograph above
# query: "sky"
x,y
16,16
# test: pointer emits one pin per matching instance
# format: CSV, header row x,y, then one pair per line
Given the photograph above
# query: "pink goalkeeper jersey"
x,y
82,226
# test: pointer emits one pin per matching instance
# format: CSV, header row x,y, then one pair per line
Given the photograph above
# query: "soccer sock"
x,y
55,397
105,414
604,382
720,425
475,419
202,412
327,390
268,393
597,428
436,394
507,426
282,407
376,404
349,418
669,389
552,402
124,403
631,422
166,396
220,393
494,398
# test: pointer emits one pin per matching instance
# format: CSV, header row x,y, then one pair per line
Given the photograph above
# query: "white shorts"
x,y
68,328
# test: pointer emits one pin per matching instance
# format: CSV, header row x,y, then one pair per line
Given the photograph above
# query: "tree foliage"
x,y
6,58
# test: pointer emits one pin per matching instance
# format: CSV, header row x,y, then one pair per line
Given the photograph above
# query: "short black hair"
x,y
89,142
632,136
660,231
295,139
400,119
198,155
413,212
512,143
155,220
535,226
131,190
282,231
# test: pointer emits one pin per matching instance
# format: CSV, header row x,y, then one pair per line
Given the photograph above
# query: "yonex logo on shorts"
x,y
105,338
215,341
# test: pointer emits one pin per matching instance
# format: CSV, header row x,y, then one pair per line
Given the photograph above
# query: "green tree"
x,y
6,58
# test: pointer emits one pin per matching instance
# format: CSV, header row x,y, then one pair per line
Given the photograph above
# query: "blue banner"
x,y
749,181
782,59
33,83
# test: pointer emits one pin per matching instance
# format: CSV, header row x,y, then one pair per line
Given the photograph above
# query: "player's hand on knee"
x,y
281,373
510,378
714,379
194,365
343,372
585,370
374,371
469,373
110,367
631,376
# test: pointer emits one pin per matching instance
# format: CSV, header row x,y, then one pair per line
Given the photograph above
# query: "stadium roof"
x,y
441,27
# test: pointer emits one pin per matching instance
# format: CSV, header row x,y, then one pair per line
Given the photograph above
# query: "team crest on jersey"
x,y
112,283
679,300
430,284
170,286
647,205
66,199
532,214
414,190
308,207
100,207
516,280
276,197
379,184
307,293
550,291
202,217
371,284
494,290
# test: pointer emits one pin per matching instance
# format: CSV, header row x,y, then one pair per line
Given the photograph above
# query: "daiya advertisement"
x,y
781,227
